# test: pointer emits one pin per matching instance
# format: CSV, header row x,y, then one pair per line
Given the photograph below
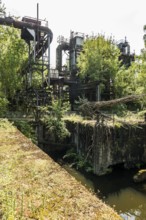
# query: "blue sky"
x,y
110,17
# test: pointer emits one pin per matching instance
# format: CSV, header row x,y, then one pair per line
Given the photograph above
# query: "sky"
x,y
117,18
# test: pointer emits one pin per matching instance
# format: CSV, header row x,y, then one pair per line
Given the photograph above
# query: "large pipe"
x,y
8,21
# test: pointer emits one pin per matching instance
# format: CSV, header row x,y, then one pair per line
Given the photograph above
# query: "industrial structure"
x,y
126,57
38,36
67,74
63,79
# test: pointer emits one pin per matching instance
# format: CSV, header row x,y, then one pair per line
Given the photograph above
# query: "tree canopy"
x,y
99,59
13,53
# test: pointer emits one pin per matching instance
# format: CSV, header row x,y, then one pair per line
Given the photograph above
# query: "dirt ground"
x,y
33,186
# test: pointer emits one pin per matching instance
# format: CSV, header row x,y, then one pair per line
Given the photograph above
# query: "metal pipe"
x,y
37,32
42,68
48,59
8,21
34,44
37,12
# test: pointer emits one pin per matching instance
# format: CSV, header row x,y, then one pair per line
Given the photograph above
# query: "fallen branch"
x,y
95,106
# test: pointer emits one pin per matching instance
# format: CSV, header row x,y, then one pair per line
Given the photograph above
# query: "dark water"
x,y
118,190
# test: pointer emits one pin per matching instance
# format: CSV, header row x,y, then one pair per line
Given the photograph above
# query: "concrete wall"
x,y
105,146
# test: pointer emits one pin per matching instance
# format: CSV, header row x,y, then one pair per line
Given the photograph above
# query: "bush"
x,y
52,117
26,129
3,106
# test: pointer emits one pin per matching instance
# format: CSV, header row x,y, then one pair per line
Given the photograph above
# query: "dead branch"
x,y
90,107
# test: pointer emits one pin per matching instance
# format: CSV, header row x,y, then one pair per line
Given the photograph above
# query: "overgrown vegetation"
x,y
3,106
77,161
13,52
27,129
100,61
6,125
73,117
33,186
52,117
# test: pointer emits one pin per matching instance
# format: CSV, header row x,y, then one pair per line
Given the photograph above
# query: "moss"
x,y
73,118
7,126
118,125
142,171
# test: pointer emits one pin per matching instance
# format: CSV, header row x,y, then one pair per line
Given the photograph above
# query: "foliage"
x,y
99,59
26,128
73,118
141,73
2,8
36,74
13,54
77,160
141,114
52,117
6,125
32,186
3,106
124,82
37,80
120,110
132,81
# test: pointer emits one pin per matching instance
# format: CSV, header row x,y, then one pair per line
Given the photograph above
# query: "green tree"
x,y
126,80
99,59
52,117
12,51
2,8
13,54
141,68
133,81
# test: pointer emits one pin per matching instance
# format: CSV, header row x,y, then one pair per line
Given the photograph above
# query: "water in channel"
x,y
117,190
